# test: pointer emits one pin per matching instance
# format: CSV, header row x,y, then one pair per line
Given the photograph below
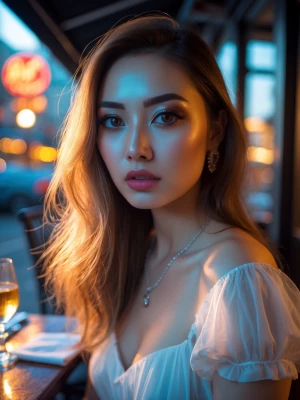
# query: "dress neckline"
x,y
143,359
205,302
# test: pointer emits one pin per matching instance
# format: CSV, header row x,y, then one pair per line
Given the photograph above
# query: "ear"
x,y
217,131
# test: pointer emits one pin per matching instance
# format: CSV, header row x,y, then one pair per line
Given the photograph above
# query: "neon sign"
x,y
26,75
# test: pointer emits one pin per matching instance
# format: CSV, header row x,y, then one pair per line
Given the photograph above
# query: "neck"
x,y
175,225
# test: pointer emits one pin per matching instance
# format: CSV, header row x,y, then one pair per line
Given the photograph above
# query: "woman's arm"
x,y
90,393
224,389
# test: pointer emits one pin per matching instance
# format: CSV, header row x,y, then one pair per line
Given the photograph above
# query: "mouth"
x,y
141,174
144,178
143,184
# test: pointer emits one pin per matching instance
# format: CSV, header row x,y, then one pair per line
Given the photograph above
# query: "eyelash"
x,y
163,112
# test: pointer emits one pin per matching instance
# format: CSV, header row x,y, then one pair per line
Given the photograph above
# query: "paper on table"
x,y
18,318
50,348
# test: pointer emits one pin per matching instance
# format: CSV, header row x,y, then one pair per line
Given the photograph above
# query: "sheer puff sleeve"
x,y
248,328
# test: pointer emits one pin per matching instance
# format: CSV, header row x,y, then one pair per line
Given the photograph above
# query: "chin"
x,y
147,204
142,205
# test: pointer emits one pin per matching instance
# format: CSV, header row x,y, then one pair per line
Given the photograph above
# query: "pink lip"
x,y
141,172
141,185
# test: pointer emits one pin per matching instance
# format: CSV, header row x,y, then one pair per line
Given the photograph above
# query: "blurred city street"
x,y
13,244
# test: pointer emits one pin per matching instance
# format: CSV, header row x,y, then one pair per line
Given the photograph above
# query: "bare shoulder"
x,y
235,247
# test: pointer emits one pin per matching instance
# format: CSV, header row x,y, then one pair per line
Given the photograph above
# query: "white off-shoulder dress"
x,y
247,329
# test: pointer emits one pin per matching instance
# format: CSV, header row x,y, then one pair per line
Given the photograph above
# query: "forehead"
x,y
142,75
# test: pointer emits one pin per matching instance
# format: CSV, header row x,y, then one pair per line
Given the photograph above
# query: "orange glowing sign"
x,y
26,75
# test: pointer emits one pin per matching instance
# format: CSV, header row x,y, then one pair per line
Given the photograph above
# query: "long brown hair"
x,y
94,259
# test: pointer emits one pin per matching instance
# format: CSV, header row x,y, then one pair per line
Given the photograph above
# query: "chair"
x,y
37,235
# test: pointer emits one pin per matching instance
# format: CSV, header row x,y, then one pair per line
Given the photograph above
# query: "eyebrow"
x,y
147,103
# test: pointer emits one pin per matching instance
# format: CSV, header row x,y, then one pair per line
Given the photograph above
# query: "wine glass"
x,y
9,303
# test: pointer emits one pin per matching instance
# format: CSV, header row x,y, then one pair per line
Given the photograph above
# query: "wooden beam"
x,y
98,14
185,11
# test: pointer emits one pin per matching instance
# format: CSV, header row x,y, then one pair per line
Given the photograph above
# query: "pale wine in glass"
x,y
9,303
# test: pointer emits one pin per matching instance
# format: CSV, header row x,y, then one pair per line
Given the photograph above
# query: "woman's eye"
x,y
114,121
168,117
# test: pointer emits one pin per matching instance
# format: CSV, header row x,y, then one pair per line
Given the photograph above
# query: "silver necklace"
x,y
146,298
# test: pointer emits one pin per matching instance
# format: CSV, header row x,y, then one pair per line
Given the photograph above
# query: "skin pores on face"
x,y
172,145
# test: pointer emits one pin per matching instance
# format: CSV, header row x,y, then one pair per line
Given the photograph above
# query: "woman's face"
x,y
166,136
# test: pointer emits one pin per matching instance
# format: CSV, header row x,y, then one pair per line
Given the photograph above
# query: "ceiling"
x,y
70,28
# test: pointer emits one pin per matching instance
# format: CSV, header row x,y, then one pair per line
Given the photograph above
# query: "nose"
x,y
138,145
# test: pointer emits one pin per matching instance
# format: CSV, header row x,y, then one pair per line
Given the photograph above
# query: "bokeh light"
x,y
14,146
18,146
5,144
25,118
37,104
255,124
42,153
2,165
260,154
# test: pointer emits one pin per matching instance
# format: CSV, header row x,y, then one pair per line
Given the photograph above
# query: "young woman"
x,y
177,292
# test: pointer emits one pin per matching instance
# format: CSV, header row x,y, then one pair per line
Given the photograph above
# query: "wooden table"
x,y
31,380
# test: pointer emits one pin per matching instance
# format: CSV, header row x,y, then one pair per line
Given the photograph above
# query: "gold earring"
x,y
212,159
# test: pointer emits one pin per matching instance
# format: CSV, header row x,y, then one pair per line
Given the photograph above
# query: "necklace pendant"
x,y
146,300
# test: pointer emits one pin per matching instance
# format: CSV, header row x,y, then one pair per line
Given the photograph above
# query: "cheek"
x,y
187,155
108,152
